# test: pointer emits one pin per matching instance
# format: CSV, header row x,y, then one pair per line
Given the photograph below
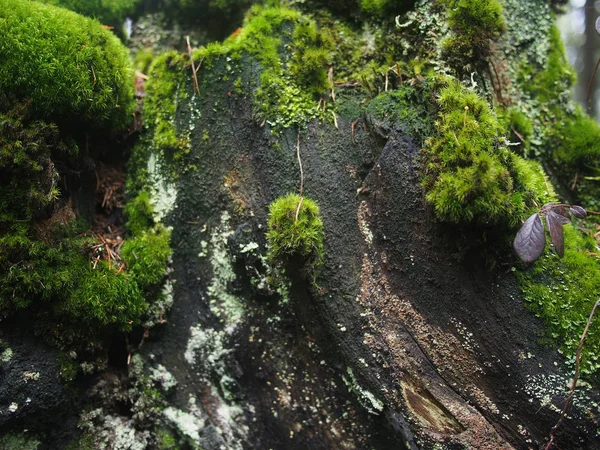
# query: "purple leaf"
x,y
530,241
578,212
554,223
562,211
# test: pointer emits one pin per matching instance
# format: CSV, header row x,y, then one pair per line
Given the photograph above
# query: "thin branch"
x,y
563,413
189,47
590,83
301,176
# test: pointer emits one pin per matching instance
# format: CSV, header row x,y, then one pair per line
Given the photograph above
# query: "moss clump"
x,y
518,126
45,263
74,71
474,23
563,291
469,176
110,12
146,256
411,107
557,76
578,141
295,241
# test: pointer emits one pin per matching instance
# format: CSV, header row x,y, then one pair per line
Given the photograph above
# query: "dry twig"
x,y
196,86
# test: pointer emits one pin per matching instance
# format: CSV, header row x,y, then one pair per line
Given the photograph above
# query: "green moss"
x,y
518,126
110,12
18,442
166,440
563,291
469,175
28,174
290,82
45,264
578,140
375,7
164,90
74,71
143,59
557,76
408,106
291,240
474,24
146,256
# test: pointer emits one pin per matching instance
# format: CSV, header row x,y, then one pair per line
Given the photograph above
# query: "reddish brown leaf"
x,y
578,212
530,241
554,223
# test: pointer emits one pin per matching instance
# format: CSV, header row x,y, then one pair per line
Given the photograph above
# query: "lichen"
x,y
366,398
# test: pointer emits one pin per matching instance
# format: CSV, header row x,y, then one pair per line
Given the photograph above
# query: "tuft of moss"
x,y
110,12
578,140
562,292
295,241
518,126
45,263
73,71
557,76
474,24
146,255
469,175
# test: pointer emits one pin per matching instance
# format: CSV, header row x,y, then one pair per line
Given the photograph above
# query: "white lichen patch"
x,y
205,347
552,389
188,424
366,398
31,376
163,377
6,355
163,193
363,224
223,304
13,407
158,308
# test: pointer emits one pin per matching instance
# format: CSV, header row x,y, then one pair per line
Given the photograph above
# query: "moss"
x,y
163,92
292,240
166,440
474,24
74,71
469,175
18,442
146,256
45,263
518,126
578,141
143,59
29,177
563,291
408,106
557,76
110,12
139,213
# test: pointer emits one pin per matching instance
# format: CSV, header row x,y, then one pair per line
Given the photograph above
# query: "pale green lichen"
x,y
7,355
224,304
187,424
366,398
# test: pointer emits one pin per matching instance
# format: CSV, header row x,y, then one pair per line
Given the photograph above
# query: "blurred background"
x,y
578,28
